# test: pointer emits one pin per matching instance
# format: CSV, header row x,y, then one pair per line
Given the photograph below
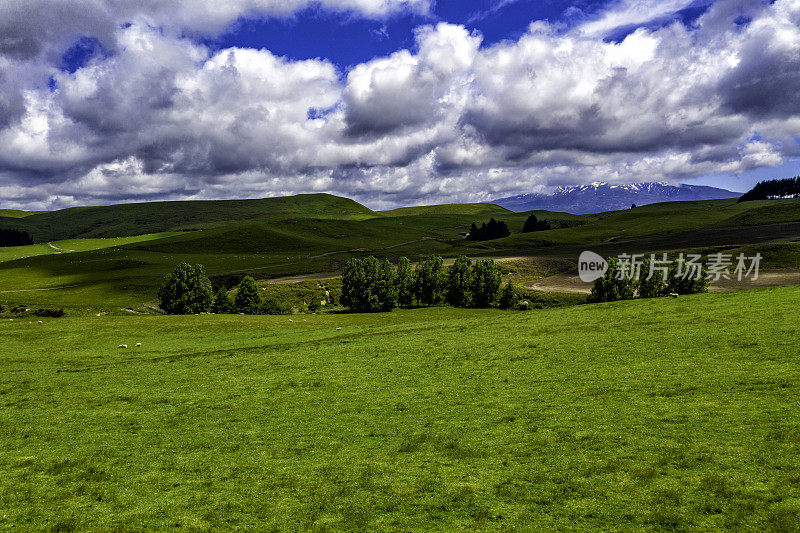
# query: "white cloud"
x,y
164,117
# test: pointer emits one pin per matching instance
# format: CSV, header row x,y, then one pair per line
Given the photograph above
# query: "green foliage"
x,y
683,280
532,223
248,299
509,297
185,291
222,304
271,306
405,282
459,283
612,286
780,188
486,280
430,280
652,286
486,232
369,285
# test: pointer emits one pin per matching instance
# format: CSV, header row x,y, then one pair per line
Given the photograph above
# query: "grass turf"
x,y
668,414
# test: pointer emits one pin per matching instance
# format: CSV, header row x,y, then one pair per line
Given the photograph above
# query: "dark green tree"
x,y
493,230
222,303
186,291
486,280
654,287
369,285
686,280
509,297
459,283
430,280
247,300
405,282
534,224
611,287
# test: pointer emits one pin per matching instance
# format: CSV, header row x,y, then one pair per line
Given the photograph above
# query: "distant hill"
x,y
447,209
126,220
598,197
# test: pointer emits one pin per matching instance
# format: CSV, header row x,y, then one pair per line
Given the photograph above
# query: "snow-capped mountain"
x,y
600,196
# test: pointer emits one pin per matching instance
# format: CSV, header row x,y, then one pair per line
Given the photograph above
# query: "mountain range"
x,y
598,197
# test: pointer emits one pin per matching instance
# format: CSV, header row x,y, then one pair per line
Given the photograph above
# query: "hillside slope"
x,y
126,220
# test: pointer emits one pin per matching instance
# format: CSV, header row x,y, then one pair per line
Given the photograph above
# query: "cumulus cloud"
x,y
448,120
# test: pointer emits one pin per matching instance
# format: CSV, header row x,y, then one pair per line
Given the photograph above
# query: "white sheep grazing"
x,y
338,329
122,346
290,320
138,344
40,322
674,294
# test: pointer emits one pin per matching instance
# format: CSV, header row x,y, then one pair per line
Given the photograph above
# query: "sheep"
x,y
338,329
673,294
138,344
122,346
292,321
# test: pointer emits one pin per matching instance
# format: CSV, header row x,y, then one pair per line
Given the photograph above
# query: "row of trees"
x,y
187,291
13,237
371,285
486,232
785,188
497,229
613,286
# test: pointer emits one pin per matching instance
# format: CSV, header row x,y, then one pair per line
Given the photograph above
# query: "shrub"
x,y
369,285
271,306
222,303
459,283
610,287
486,280
430,280
314,305
186,290
680,283
509,297
247,299
49,313
405,282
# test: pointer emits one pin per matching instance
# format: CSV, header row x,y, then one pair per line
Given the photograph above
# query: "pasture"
x,y
667,414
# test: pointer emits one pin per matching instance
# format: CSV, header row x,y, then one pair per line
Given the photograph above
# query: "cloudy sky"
x,y
390,102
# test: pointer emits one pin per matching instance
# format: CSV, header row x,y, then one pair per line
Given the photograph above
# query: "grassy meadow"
x,y
668,414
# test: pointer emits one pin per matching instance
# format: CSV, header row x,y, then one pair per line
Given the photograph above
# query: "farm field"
x,y
676,414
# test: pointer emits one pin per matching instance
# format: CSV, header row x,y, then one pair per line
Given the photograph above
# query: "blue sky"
x,y
391,102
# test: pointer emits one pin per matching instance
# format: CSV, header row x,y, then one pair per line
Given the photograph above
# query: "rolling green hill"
x,y
13,213
317,233
449,209
127,220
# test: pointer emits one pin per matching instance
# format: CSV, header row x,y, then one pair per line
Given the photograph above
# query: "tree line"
x,y
612,287
783,188
497,229
372,285
13,237
188,291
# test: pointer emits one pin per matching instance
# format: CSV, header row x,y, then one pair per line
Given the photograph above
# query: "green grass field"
x,y
668,414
